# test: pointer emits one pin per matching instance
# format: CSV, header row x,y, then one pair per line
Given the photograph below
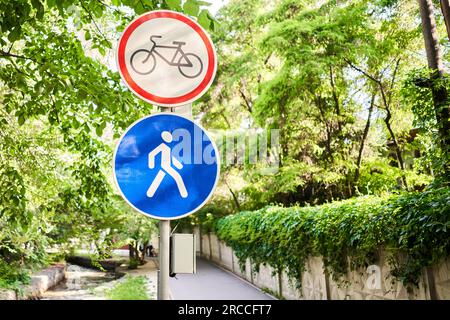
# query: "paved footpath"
x,y
213,283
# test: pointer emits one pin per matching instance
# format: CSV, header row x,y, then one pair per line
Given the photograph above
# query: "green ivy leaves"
x,y
174,4
413,225
191,7
194,8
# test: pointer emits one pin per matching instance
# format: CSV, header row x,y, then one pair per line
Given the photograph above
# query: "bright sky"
x,y
216,5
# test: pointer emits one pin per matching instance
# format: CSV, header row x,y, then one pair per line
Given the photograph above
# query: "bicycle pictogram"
x,y
144,62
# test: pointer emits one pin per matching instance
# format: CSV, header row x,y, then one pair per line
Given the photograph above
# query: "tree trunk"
x,y
430,35
143,254
363,140
134,252
387,120
247,101
222,113
328,128
445,8
235,199
439,92
283,132
130,251
397,149
336,100
398,152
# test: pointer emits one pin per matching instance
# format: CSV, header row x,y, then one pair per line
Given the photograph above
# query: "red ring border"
x,y
147,95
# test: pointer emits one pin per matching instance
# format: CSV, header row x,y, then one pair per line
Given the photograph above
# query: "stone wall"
x,y
373,283
39,283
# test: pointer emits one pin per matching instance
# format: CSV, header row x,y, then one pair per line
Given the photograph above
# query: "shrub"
x,y
413,228
12,276
133,263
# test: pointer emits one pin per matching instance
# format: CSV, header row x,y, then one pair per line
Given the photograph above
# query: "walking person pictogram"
x,y
154,173
166,166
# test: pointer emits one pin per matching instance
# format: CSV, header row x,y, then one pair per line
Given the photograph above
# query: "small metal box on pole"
x,y
182,258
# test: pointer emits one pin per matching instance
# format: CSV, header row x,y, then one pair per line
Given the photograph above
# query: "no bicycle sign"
x,y
166,58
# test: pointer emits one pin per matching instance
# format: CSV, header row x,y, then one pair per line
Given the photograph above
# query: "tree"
x,y
364,137
61,107
329,76
438,89
445,7
137,230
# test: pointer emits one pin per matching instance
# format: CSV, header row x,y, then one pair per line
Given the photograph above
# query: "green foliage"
x,y
12,277
133,263
133,288
61,108
207,216
413,228
417,93
290,65
378,177
287,64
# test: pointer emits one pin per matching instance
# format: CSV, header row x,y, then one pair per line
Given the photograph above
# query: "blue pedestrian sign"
x,y
166,166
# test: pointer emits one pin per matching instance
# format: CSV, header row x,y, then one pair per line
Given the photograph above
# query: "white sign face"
x,y
166,58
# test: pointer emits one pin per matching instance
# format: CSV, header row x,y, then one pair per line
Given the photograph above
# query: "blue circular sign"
x,y
166,166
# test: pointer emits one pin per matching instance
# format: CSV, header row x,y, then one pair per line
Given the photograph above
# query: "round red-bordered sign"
x,y
166,58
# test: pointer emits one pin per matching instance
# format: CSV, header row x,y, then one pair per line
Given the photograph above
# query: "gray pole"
x,y
164,227
164,243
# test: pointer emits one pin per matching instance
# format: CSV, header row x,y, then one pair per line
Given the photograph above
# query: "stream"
x,y
80,284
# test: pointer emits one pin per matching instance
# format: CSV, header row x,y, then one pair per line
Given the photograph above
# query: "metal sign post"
x,y
164,226
164,254
168,60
